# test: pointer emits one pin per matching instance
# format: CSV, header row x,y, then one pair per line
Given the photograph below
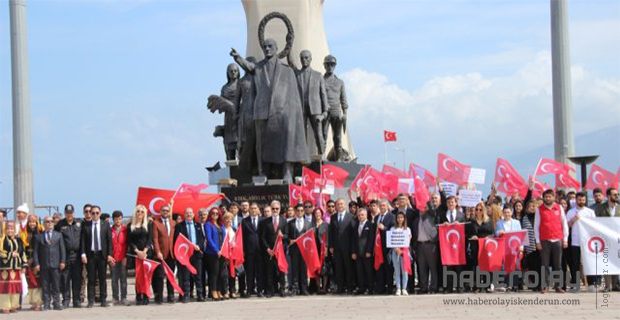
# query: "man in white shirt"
x,y
573,215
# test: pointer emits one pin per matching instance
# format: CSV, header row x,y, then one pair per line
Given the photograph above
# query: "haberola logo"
x,y
596,244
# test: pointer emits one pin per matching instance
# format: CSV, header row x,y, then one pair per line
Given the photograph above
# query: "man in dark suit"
x,y
362,242
251,251
270,229
297,227
385,275
96,252
339,241
49,259
163,234
452,216
193,233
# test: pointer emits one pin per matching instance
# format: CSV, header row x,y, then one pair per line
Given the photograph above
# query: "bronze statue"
x,y
337,111
278,113
313,97
228,102
248,159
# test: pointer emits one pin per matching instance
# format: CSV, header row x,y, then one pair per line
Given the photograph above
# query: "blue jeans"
x,y
400,275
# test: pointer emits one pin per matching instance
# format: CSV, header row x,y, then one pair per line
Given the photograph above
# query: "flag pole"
x,y
385,151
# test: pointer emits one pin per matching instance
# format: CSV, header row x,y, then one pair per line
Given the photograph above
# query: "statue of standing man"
x,y
337,112
278,111
313,98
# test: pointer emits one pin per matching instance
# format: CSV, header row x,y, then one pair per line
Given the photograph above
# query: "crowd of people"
x,y
65,262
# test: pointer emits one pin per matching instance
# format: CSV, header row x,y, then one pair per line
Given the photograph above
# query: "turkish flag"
x,y
144,274
452,244
406,260
279,255
309,178
389,170
390,185
601,178
566,180
508,179
306,243
399,180
427,176
451,170
513,241
539,188
389,136
490,254
371,185
237,251
421,194
183,251
378,251
171,279
190,189
226,248
356,184
154,199
323,248
549,166
335,173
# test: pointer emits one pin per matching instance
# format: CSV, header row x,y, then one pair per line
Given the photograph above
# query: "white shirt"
x,y
451,215
166,223
612,209
361,227
299,224
341,216
584,212
95,236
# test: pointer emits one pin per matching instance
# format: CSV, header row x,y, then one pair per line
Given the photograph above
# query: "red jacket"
x,y
119,243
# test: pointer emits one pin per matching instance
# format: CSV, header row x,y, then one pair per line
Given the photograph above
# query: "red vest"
x,y
551,222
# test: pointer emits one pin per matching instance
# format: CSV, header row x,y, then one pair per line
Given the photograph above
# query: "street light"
x,y
583,161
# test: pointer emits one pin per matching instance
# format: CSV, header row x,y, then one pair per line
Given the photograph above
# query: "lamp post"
x,y
583,161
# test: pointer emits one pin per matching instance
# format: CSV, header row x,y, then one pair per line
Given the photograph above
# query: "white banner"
x,y
469,198
396,238
600,245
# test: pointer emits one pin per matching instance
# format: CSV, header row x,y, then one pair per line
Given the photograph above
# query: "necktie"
x,y
48,235
381,218
96,237
191,231
275,223
167,226
254,222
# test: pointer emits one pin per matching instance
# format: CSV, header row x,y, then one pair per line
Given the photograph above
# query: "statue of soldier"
x,y
228,102
278,113
337,101
247,133
313,98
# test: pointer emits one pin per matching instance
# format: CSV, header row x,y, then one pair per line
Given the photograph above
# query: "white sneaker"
x,y
591,288
404,292
501,289
398,292
491,288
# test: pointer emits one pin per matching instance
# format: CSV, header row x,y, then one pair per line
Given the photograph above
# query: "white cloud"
x,y
508,112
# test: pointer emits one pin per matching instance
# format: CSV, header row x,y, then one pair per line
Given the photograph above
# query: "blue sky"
x,y
118,88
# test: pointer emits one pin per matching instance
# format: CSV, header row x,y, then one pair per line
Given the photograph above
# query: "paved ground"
x,y
358,307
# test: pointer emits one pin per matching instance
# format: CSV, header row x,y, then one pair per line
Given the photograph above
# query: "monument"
x,y
282,116
289,108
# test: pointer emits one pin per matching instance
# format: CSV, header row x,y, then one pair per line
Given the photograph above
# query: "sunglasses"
x,y
307,207
49,221
95,212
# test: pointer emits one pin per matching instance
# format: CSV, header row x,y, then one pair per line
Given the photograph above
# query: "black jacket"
x,y
105,240
49,255
339,236
251,237
181,228
364,243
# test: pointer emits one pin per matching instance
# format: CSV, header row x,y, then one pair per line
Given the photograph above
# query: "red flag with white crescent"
x,y
490,254
452,244
550,166
508,179
389,136
153,199
279,255
144,275
601,178
335,173
406,260
171,279
450,170
306,243
378,251
514,241
183,251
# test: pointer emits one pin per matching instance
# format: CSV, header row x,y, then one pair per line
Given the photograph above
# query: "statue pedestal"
x,y
277,189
